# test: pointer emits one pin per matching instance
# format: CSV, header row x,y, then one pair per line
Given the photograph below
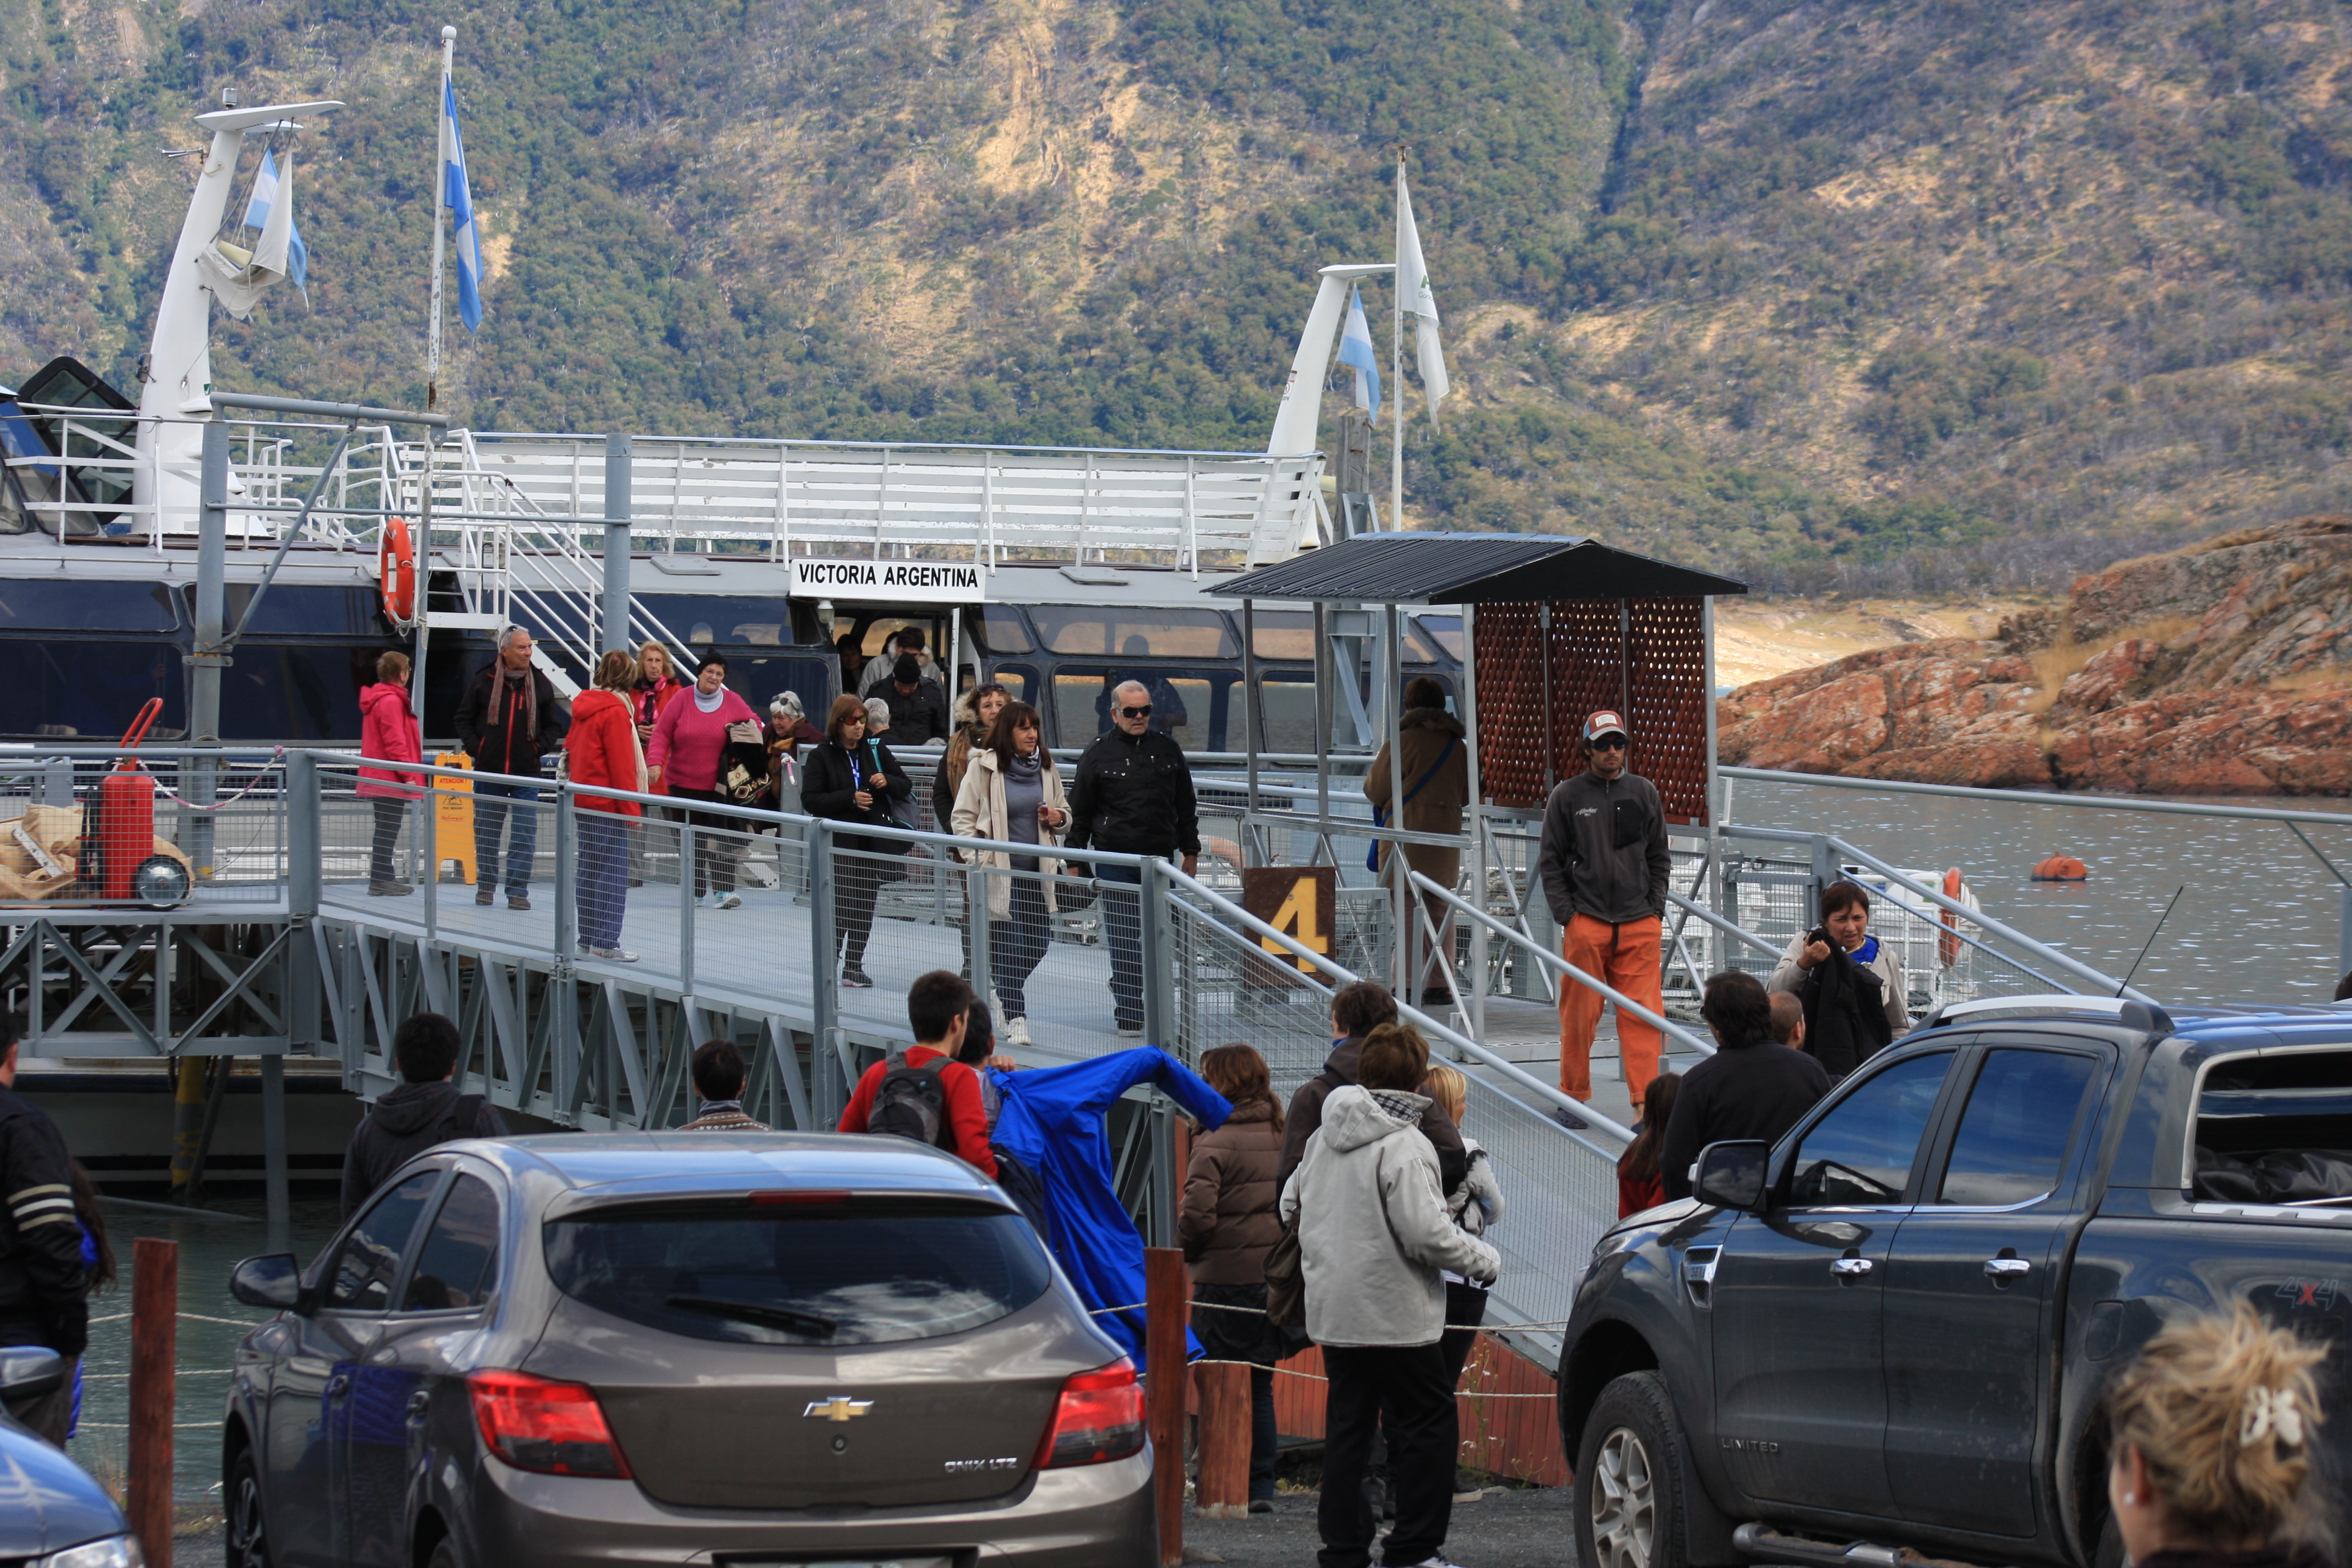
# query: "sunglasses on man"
x,y
1608,742
1142,712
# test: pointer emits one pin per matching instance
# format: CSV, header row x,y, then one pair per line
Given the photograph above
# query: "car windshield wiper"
x,y
785,1318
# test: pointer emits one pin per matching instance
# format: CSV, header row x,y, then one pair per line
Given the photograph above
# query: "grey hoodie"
x,y
1373,1233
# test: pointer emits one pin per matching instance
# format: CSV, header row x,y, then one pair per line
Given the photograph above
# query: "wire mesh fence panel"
x,y
165,832
1227,989
1559,1195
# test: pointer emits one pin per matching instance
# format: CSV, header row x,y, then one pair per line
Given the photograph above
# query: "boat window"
x,y
1283,634
882,628
290,611
814,677
87,689
1446,631
34,604
1286,713
1017,679
1186,704
1000,630
1134,634
302,692
704,620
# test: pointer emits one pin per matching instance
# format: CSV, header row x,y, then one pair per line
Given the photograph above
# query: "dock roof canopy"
x,y
1472,568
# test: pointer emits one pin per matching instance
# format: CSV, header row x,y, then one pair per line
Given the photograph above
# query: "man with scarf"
x,y
508,720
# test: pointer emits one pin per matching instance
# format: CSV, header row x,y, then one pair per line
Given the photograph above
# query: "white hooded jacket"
x,y
1373,1233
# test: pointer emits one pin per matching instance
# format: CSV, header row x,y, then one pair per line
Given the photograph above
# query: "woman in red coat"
x,y
601,751
388,730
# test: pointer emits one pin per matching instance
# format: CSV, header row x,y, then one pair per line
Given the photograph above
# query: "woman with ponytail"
x,y
2212,1432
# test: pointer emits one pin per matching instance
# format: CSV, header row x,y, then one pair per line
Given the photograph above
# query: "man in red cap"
x,y
1604,867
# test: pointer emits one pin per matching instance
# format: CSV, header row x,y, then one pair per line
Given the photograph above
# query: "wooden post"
x,y
154,1349
1165,1294
1222,1491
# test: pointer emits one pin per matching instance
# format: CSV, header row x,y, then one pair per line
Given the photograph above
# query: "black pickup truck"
x,y
1896,1326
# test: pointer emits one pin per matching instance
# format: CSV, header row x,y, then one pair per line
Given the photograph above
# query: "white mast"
x,y
1300,411
440,207
175,397
1396,366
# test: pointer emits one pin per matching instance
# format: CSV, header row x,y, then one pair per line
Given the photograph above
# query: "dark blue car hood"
x,y
47,1501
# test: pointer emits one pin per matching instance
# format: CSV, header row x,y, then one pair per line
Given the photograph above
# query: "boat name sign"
x,y
920,582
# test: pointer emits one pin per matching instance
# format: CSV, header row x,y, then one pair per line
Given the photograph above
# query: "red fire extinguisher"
x,y
126,812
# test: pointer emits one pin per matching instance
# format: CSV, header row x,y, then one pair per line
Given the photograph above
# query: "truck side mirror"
x,y
272,1281
26,1371
1730,1174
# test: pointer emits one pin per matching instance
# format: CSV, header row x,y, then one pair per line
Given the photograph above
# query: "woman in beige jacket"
x,y
1011,793
1429,742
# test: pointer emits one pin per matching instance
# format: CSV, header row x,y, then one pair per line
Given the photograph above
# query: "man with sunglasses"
x,y
1604,867
1132,796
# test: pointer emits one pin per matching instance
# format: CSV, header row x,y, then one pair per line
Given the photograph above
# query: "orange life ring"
x,y
396,572
1948,943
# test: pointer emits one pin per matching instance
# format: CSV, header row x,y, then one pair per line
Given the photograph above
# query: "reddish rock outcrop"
x,y
2181,692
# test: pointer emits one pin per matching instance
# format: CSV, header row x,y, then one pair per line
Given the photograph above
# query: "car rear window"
x,y
2275,1130
754,1272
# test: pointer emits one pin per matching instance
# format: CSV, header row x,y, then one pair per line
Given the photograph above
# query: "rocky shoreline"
x,y
2221,669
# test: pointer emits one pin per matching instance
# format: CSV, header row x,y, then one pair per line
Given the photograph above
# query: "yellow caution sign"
x,y
453,817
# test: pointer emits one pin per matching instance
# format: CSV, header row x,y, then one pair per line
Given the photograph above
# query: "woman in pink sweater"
x,y
689,748
388,731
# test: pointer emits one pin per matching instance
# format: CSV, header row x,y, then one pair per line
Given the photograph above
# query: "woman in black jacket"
x,y
852,779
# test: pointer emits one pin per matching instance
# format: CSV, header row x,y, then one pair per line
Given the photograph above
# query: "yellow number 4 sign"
x,y
1301,902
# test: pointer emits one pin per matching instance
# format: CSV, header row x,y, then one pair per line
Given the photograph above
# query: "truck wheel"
x,y
1629,1478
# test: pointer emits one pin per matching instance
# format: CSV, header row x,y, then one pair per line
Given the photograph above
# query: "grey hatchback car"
x,y
682,1347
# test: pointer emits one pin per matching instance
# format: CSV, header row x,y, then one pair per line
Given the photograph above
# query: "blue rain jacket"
x,y
1054,1119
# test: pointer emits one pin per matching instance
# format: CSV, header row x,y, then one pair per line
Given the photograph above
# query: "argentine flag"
x,y
460,198
1356,350
256,215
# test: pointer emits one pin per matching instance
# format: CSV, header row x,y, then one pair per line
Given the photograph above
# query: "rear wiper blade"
x,y
785,1318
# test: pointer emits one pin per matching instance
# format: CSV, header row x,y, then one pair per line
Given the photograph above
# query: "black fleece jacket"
x,y
44,1289
1133,796
1605,849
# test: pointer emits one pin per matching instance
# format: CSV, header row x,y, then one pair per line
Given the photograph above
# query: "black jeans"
x,y
715,844
1404,1389
856,882
1265,1441
388,816
1463,1304
1016,946
1123,925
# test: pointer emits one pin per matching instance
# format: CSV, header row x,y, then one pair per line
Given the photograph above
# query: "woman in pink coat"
x,y
688,750
388,730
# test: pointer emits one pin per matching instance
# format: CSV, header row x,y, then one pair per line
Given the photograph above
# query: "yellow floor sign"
x,y
453,817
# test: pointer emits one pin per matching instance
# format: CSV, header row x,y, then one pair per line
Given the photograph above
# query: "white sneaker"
x,y
1437,1559
732,902
616,955
1017,1032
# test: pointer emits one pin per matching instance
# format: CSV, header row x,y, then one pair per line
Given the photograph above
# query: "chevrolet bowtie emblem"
x,y
840,1407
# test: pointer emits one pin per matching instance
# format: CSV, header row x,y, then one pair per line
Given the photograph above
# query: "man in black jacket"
x,y
918,708
44,1289
509,719
1604,865
426,1110
1133,796
1750,1088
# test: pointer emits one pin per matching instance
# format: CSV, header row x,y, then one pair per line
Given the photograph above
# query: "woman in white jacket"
x,y
1855,995
1011,793
1374,1241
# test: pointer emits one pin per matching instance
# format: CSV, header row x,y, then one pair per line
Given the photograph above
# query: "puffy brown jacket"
x,y
1228,1220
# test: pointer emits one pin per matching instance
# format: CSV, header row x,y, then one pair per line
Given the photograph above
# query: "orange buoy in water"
x,y
2061,868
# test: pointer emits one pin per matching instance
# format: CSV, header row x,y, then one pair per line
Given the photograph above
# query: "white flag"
x,y
1414,291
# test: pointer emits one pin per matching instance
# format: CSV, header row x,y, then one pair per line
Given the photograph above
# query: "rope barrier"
x,y
1316,1377
191,1317
1260,1312
277,756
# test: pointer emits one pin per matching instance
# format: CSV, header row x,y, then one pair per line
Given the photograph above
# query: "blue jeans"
x,y
490,813
604,889
1123,925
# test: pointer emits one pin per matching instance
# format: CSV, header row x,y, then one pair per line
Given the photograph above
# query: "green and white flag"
x,y
1413,292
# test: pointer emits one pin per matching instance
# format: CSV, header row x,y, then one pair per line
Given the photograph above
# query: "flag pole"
x,y
440,207
1396,362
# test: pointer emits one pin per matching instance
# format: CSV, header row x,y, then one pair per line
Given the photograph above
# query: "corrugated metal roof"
x,y
1472,568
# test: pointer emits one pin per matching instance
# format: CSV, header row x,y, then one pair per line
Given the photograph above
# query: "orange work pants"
x,y
1626,956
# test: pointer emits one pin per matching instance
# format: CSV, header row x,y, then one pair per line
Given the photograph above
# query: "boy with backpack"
x,y
925,1094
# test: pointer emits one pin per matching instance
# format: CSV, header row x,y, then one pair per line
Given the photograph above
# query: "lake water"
x,y
211,1323
2258,923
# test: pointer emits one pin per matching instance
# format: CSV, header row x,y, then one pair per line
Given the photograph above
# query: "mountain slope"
x,y
1928,291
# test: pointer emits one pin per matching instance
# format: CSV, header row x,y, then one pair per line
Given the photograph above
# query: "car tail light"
x,y
538,1423
1099,1417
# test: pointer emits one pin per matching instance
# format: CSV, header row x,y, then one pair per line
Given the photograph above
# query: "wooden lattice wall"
x,y
1645,658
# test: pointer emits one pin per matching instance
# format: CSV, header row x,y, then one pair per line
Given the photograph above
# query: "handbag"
x,y
743,772
1380,812
1286,1283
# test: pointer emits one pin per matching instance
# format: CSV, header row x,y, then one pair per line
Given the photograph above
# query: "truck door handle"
x,y
418,1401
338,1386
1851,1268
2002,1270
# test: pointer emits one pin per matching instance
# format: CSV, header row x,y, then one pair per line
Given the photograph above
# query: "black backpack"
x,y
912,1101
